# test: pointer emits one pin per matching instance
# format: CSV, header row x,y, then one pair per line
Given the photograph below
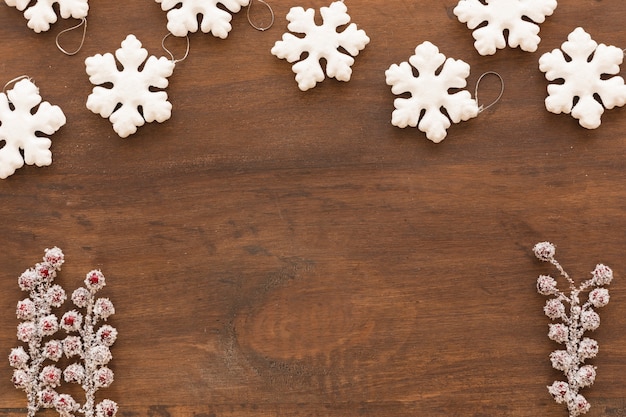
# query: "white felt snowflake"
x,y
430,92
130,102
19,125
41,14
320,42
519,17
583,68
182,15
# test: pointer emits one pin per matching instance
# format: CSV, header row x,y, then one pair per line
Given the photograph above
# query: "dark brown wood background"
x,y
273,252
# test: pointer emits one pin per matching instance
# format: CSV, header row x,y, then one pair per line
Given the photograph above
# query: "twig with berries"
x,y
91,346
84,340
580,318
38,323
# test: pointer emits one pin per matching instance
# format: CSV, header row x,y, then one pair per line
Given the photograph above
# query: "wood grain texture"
x,y
273,252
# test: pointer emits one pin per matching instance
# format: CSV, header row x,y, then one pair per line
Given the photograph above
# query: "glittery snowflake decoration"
x,y
519,17
430,92
19,125
569,332
131,101
182,15
41,14
320,42
36,369
583,66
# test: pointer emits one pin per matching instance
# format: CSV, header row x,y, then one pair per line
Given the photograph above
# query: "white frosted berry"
x,y
106,408
71,321
544,251
554,308
50,376
106,335
26,331
21,379
561,360
94,280
74,373
599,297
559,390
588,348
580,406
590,320
558,332
25,309
103,377
602,275
29,280
18,358
66,405
546,285
103,308
586,375
81,297
53,350
100,355
72,346
56,295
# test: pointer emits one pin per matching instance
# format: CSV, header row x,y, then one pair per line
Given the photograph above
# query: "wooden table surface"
x,y
273,252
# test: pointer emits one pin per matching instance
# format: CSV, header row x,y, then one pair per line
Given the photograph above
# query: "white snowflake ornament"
x,y
320,42
182,15
429,92
19,125
41,14
583,65
519,17
130,102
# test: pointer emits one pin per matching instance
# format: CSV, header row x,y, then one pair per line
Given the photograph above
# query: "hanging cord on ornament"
x,y
482,108
13,81
257,27
174,60
83,23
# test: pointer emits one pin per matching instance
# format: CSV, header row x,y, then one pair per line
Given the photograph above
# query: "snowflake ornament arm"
x,y
184,19
519,17
320,42
580,318
18,127
583,65
429,92
41,14
131,87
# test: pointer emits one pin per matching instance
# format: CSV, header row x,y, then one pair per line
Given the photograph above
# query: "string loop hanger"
x,y
482,108
173,59
83,23
13,81
269,8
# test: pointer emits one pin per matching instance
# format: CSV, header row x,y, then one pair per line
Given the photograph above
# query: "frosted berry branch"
x,y
580,318
84,340
38,322
92,346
